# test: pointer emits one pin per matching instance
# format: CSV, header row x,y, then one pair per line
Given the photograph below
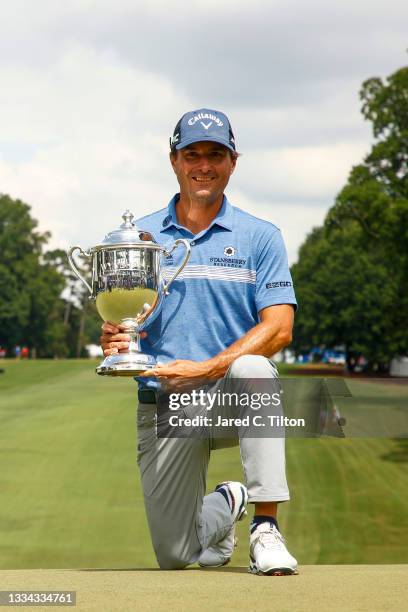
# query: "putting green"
x,y
336,588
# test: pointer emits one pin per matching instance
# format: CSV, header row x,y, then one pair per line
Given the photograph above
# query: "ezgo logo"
x,y
278,284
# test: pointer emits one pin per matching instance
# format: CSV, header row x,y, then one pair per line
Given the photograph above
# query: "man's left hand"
x,y
179,373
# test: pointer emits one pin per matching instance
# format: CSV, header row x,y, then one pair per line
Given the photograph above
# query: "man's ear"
x,y
173,156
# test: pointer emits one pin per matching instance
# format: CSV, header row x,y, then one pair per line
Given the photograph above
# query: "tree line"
x,y
351,276
42,305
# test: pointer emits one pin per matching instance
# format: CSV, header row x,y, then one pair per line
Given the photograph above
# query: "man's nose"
x,y
205,165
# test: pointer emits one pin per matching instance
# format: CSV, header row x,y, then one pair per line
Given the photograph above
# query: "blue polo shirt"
x,y
238,266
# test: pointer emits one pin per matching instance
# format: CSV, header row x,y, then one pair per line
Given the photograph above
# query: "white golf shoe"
x,y
268,553
220,553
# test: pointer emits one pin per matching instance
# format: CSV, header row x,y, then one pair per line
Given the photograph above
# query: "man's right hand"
x,y
113,340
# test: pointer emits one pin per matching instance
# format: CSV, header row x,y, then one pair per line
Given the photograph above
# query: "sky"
x,y
90,91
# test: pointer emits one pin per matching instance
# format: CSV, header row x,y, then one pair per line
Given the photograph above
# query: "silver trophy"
x,y
128,286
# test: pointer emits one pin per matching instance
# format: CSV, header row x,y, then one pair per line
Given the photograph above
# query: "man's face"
x,y
203,170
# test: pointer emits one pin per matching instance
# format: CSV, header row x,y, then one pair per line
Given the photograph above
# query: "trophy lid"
x,y
128,234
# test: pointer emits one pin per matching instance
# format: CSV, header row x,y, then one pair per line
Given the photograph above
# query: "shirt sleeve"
x,y
273,279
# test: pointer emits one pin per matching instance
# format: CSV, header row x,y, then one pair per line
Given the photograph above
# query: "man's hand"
x,y
115,339
181,368
181,374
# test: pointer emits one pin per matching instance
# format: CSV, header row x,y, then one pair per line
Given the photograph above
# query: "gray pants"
x,y
183,521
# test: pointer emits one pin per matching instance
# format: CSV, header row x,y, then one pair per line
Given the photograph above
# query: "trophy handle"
x,y
186,245
73,266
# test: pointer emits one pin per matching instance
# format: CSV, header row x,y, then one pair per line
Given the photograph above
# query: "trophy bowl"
x,y
128,287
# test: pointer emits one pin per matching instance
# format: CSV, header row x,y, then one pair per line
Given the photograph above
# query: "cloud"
x,y
266,53
308,174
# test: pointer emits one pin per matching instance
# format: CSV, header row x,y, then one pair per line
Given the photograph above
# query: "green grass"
x,y
70,491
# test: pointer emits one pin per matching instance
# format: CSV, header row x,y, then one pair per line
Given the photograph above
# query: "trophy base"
x,y
125,364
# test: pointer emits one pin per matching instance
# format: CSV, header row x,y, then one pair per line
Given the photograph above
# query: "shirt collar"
x,y
223,218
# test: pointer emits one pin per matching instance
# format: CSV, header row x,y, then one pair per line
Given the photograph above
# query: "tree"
x,y
343,293
359,259
30,288
81,321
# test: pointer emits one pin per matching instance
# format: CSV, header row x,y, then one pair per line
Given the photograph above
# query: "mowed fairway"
x,y
70,493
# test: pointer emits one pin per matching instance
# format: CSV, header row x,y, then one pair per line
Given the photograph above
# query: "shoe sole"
x,y
274,571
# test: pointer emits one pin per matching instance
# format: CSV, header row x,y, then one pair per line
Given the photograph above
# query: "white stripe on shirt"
x,y
238,275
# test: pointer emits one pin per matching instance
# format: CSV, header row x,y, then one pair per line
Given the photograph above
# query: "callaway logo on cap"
x,y
203,124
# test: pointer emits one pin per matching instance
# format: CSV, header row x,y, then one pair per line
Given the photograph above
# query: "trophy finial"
x,y
127,218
